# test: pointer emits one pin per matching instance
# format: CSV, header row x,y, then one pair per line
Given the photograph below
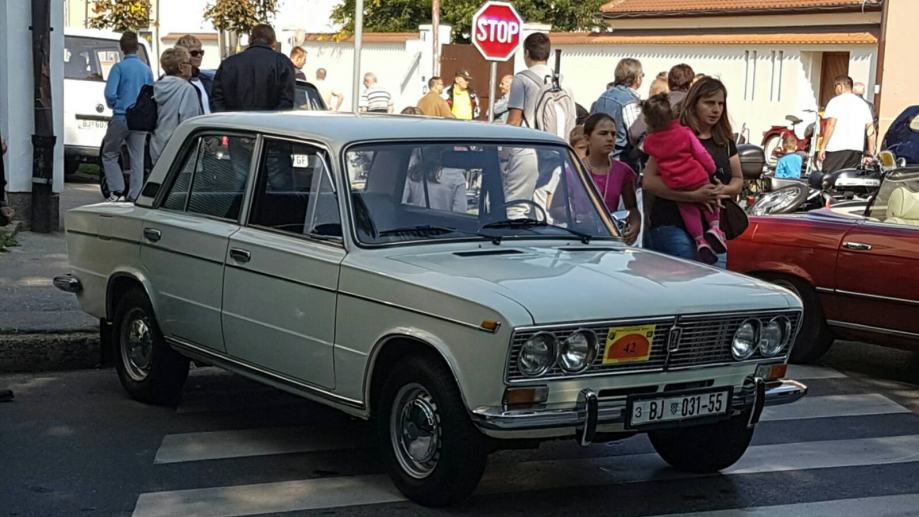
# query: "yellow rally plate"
x,y
629,344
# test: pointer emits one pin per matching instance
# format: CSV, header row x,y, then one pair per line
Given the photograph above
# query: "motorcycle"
x,y
819,190
805,136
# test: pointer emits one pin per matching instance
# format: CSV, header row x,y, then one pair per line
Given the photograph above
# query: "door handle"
x,y
860,246
240,255
152,234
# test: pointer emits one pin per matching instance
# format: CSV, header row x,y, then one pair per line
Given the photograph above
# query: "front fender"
x,y
135,274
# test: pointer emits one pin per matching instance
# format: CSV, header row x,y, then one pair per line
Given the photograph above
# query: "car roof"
x,y
115,37
340,129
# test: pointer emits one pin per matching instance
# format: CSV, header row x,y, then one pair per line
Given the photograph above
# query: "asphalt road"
x,y
73,444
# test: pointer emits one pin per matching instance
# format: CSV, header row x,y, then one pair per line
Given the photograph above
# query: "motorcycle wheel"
x,y
781,201
769,147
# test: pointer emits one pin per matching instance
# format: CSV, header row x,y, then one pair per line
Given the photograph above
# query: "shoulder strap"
x,y
531,75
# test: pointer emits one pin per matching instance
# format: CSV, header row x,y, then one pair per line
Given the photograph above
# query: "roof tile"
x,y
695,6
819,38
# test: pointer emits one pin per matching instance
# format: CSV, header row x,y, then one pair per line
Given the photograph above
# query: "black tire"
x,y
815,337
155,377
704,448
71,166
460,451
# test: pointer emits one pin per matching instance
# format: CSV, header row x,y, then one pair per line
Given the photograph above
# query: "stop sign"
x,y
496,28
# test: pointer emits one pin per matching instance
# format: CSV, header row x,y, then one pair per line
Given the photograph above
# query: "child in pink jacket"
x,y
684,164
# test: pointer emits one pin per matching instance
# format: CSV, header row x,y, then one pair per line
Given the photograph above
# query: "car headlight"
x,y
774,336
577,351
538,354
745,340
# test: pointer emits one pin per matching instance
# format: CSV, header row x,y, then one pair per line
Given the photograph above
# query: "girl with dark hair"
x,y
705,112
614,179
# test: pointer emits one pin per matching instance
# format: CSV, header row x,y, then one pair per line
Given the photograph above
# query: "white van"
x,y
89,55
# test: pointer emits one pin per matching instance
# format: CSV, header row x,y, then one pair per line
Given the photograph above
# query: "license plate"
x,y
91,124
678,407
628,344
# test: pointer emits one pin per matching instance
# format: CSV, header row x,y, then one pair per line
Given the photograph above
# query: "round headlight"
x,y
537,355
774,336
577,351
745,340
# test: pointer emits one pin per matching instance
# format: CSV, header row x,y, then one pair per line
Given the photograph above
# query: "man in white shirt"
x,y
327,91
848,121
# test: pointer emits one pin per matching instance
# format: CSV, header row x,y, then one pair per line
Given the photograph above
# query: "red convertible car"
x,y
856,268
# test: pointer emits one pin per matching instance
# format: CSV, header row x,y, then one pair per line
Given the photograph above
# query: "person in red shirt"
x,y
686,165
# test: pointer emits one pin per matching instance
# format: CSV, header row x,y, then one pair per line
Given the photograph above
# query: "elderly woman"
x,y
176,99
203,81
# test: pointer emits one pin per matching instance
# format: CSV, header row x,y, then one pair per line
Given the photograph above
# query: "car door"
x,y
186,236
282,270
876,269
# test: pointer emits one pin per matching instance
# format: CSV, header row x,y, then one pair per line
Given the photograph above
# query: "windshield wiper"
x,y
529,223
435,229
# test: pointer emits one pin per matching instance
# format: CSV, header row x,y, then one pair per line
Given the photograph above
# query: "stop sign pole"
x,y
496,29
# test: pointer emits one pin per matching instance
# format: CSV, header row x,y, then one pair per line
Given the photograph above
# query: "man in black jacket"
x,y
258,79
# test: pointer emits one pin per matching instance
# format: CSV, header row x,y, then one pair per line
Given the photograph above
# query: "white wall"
x,y
588,68
17,121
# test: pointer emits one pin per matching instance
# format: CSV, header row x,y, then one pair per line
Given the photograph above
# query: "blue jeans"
x,y
676,242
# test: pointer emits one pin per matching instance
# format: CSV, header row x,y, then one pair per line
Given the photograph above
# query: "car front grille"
x,y
703,340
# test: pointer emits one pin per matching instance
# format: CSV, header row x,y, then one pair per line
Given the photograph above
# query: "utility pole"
x,y
43,139
358,43
435,36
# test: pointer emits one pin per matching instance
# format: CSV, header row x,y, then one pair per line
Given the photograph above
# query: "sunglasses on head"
x,y
196,53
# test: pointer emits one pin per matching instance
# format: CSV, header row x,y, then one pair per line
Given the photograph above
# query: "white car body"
x,y
89,54
323,317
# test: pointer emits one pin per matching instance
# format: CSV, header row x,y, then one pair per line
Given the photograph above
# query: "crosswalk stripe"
x,y
834,406
213,445
880,506
520,476
286,496
805,372
177,448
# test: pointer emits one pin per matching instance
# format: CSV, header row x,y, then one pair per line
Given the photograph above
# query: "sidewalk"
x,y
41,327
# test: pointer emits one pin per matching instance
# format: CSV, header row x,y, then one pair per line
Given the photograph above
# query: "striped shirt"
x,y
376,99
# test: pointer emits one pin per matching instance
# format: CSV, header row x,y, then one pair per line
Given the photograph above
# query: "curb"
x,y
30,353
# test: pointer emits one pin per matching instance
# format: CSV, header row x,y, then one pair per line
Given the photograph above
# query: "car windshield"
x,y
439,191
897,201
91,59
308,98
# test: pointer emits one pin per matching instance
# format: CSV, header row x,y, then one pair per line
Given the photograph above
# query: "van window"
x,y
91,59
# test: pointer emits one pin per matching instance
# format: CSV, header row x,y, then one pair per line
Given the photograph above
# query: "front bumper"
x,y
591,412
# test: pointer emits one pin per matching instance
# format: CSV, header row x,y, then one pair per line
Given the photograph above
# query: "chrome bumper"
x,y
591,412
68,283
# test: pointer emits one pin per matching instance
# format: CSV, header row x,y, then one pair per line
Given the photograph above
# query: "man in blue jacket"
x,y
121,90
623,103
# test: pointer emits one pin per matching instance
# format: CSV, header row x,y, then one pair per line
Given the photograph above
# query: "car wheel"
x,y
149,369
815,336
434,453
704,448
71,166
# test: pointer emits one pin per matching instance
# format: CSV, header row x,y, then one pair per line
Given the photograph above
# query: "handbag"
x,y
733,219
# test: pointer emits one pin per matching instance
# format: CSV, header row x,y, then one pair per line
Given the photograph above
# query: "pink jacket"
x,y
681,159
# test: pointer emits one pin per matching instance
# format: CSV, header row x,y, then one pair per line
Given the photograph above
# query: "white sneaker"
x,y
114,198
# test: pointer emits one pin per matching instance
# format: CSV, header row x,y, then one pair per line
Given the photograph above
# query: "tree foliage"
x,y
407,15
240,16
120,15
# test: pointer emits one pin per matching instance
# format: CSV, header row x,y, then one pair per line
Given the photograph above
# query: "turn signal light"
x,y
772,372
526,396
491,325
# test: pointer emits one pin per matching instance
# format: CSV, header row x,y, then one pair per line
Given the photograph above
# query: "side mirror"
x,y
621,218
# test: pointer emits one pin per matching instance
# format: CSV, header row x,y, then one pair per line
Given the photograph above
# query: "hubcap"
x,y
415,430
137,345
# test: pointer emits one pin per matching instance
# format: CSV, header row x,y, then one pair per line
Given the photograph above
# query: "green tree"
x,y
407,15
120,15
239,16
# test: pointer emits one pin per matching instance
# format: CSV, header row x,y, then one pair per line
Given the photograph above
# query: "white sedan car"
x,y
460,284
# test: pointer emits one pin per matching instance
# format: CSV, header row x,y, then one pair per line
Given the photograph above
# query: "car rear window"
x,y
91,59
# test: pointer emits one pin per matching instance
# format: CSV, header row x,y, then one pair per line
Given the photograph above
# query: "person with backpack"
x,y
537,100
623,103
176,98
125,81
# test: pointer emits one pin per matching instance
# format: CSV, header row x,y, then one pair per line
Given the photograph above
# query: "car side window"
x,y
294,191
212,180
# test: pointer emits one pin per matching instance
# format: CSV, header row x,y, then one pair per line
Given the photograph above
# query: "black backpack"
x,y
142,115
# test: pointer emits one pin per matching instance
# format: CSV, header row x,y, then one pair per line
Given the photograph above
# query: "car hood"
x,y
578,283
